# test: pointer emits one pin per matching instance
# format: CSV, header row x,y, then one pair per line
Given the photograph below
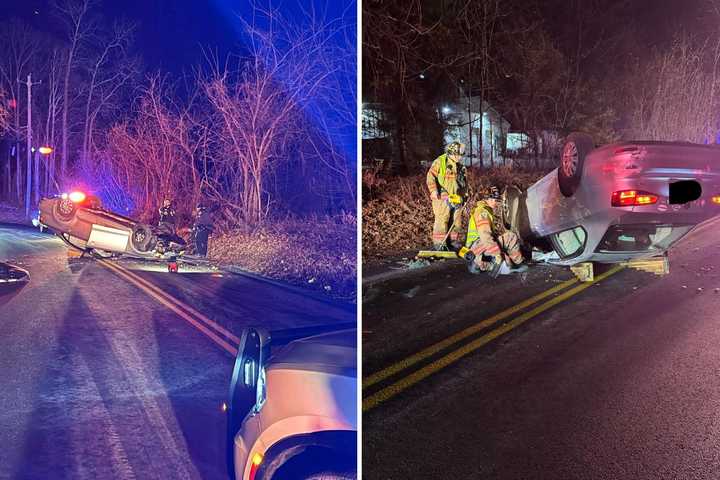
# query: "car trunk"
x,y
680,173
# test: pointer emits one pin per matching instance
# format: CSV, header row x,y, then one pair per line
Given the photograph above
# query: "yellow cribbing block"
x,y
436,254
583,271
656,265
74,253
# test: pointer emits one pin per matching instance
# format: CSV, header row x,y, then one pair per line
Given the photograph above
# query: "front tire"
x,y
142,238
572,161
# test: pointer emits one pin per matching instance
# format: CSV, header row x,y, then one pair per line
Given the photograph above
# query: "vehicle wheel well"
x,y
333,451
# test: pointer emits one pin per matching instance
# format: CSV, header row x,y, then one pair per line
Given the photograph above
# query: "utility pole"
x,y
28,176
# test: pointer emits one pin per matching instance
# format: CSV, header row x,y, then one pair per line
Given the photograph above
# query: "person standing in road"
x,y
492,245
203,227
447,183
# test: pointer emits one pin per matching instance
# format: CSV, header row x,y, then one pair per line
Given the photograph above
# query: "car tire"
x,y
142,238
64,210
572,160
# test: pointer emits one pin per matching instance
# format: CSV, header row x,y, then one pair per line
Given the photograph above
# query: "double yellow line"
x,y
221,336
386,393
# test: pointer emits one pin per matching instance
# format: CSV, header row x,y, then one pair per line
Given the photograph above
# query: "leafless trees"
x,y
74,14
267,114
680,94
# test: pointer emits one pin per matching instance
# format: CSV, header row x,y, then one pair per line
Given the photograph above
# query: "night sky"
x,y
171,33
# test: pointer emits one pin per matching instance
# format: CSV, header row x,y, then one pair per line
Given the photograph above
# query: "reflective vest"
x,y
459,185
442,169
472,233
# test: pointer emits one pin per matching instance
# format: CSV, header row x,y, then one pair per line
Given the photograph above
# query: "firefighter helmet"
x,y
494,193
455,148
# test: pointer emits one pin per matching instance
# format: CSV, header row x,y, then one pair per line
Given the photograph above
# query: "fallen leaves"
x,y
318,253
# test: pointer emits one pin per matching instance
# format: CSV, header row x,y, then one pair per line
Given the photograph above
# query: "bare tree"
x,y
152,156
22,47
53,88
478,22
260,107
75,15
680,95
4,112
110,71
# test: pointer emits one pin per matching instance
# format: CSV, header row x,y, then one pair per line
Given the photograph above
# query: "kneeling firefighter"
x,y
493,248
446,180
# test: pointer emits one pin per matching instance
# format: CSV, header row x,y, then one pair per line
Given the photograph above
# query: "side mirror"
x,y
253,351
12,280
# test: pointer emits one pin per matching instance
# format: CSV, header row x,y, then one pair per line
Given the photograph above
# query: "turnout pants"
x,y
201,241
505,247
444,218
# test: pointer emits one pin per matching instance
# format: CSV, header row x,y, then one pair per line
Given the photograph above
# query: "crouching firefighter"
x,y
493,248
202,228
447,183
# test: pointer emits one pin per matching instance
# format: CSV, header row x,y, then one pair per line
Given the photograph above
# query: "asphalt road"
x,y
621,380
101,380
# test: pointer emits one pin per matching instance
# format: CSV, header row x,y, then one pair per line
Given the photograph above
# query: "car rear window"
x,y
570,243
641,238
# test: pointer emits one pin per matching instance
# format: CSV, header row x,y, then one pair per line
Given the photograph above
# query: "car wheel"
x,y
572,160
64,210
142,238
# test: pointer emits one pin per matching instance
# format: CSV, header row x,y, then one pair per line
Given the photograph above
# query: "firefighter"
x,y
202,228
494,248
447,183
166,225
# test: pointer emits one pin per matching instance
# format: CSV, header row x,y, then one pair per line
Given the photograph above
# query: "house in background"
x,y
465,122
376,146
541,151
477,128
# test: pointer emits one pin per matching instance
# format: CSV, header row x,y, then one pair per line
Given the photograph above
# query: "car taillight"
x,y
77,197
629,198
716,199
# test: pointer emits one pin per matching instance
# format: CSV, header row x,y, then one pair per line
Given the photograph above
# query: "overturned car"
x,y
617,203
81,222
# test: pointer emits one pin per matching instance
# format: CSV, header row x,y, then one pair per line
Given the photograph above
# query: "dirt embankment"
x,y
397,213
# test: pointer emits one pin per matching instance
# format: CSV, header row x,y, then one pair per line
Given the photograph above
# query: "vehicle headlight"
x,y
261,392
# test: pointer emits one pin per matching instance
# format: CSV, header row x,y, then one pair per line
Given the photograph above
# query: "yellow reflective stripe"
x,y
472,234
443,169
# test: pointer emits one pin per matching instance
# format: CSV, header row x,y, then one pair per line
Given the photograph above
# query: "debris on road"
x,y
418,263
412,292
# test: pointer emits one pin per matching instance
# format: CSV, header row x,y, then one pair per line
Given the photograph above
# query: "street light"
x,y
45,150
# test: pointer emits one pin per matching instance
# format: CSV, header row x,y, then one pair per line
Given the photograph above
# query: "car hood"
x,y
334,352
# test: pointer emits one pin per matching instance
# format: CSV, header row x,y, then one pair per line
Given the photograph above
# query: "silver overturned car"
x,y
80,220
618,202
